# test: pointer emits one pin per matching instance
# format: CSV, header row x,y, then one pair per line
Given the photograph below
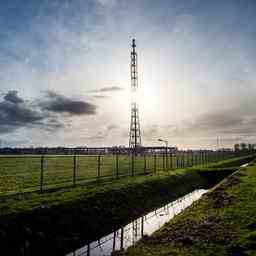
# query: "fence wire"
x,y
20,174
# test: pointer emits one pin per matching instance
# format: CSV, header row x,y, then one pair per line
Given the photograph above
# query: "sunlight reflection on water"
x,y
134,231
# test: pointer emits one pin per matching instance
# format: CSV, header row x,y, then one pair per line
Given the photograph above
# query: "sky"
x,y
65,72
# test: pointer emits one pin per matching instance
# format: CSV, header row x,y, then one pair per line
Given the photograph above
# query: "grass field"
x,y
93,210
221,223
24,173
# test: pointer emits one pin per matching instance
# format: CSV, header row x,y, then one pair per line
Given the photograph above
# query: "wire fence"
x,y
26,173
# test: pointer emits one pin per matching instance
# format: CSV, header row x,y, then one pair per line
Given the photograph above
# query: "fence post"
x,y
132,163
166,157
74,170
171,167
145,163
117,164
122,239
163,162
154,163
42,174
98,169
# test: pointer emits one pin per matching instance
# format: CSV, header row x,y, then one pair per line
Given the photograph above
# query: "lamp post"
x,y
166,150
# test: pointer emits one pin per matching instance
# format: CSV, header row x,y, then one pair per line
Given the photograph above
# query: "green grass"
x,y
20,174
62,220
221,223
28,201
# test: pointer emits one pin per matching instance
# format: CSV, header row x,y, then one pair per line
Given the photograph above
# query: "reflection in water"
x,y
134,231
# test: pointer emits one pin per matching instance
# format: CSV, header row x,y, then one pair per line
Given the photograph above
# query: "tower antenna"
x,y
135,133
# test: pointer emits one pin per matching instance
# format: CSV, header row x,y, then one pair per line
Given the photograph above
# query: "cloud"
x,y
151,131
219,120
112,127
12,96
107,89
58,103
49,114
107,2
213,123
15,113
101,96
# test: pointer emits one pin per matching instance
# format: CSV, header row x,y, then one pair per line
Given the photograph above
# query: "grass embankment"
x,y
57,222
221,223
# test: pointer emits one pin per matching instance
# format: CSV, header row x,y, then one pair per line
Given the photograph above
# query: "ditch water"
x,y
134,231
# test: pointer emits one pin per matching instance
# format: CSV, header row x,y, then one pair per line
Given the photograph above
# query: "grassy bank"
x,y
60,221
221,223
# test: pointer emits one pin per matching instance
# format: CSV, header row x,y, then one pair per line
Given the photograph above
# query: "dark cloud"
x,y
58,103
14,113
108,89
12,96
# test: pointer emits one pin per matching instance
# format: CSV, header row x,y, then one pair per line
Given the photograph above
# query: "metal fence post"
x,y
98,169
42,174
117,164
171,167
132,163
166,158
155,163
163,162
145,164
74,170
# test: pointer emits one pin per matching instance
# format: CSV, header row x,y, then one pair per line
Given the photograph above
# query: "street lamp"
x,y
165,141
166,151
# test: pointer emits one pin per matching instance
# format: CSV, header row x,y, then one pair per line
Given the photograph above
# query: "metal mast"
x,y
135,134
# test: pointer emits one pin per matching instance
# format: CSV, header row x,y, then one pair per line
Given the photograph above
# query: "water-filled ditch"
x,y
135,230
